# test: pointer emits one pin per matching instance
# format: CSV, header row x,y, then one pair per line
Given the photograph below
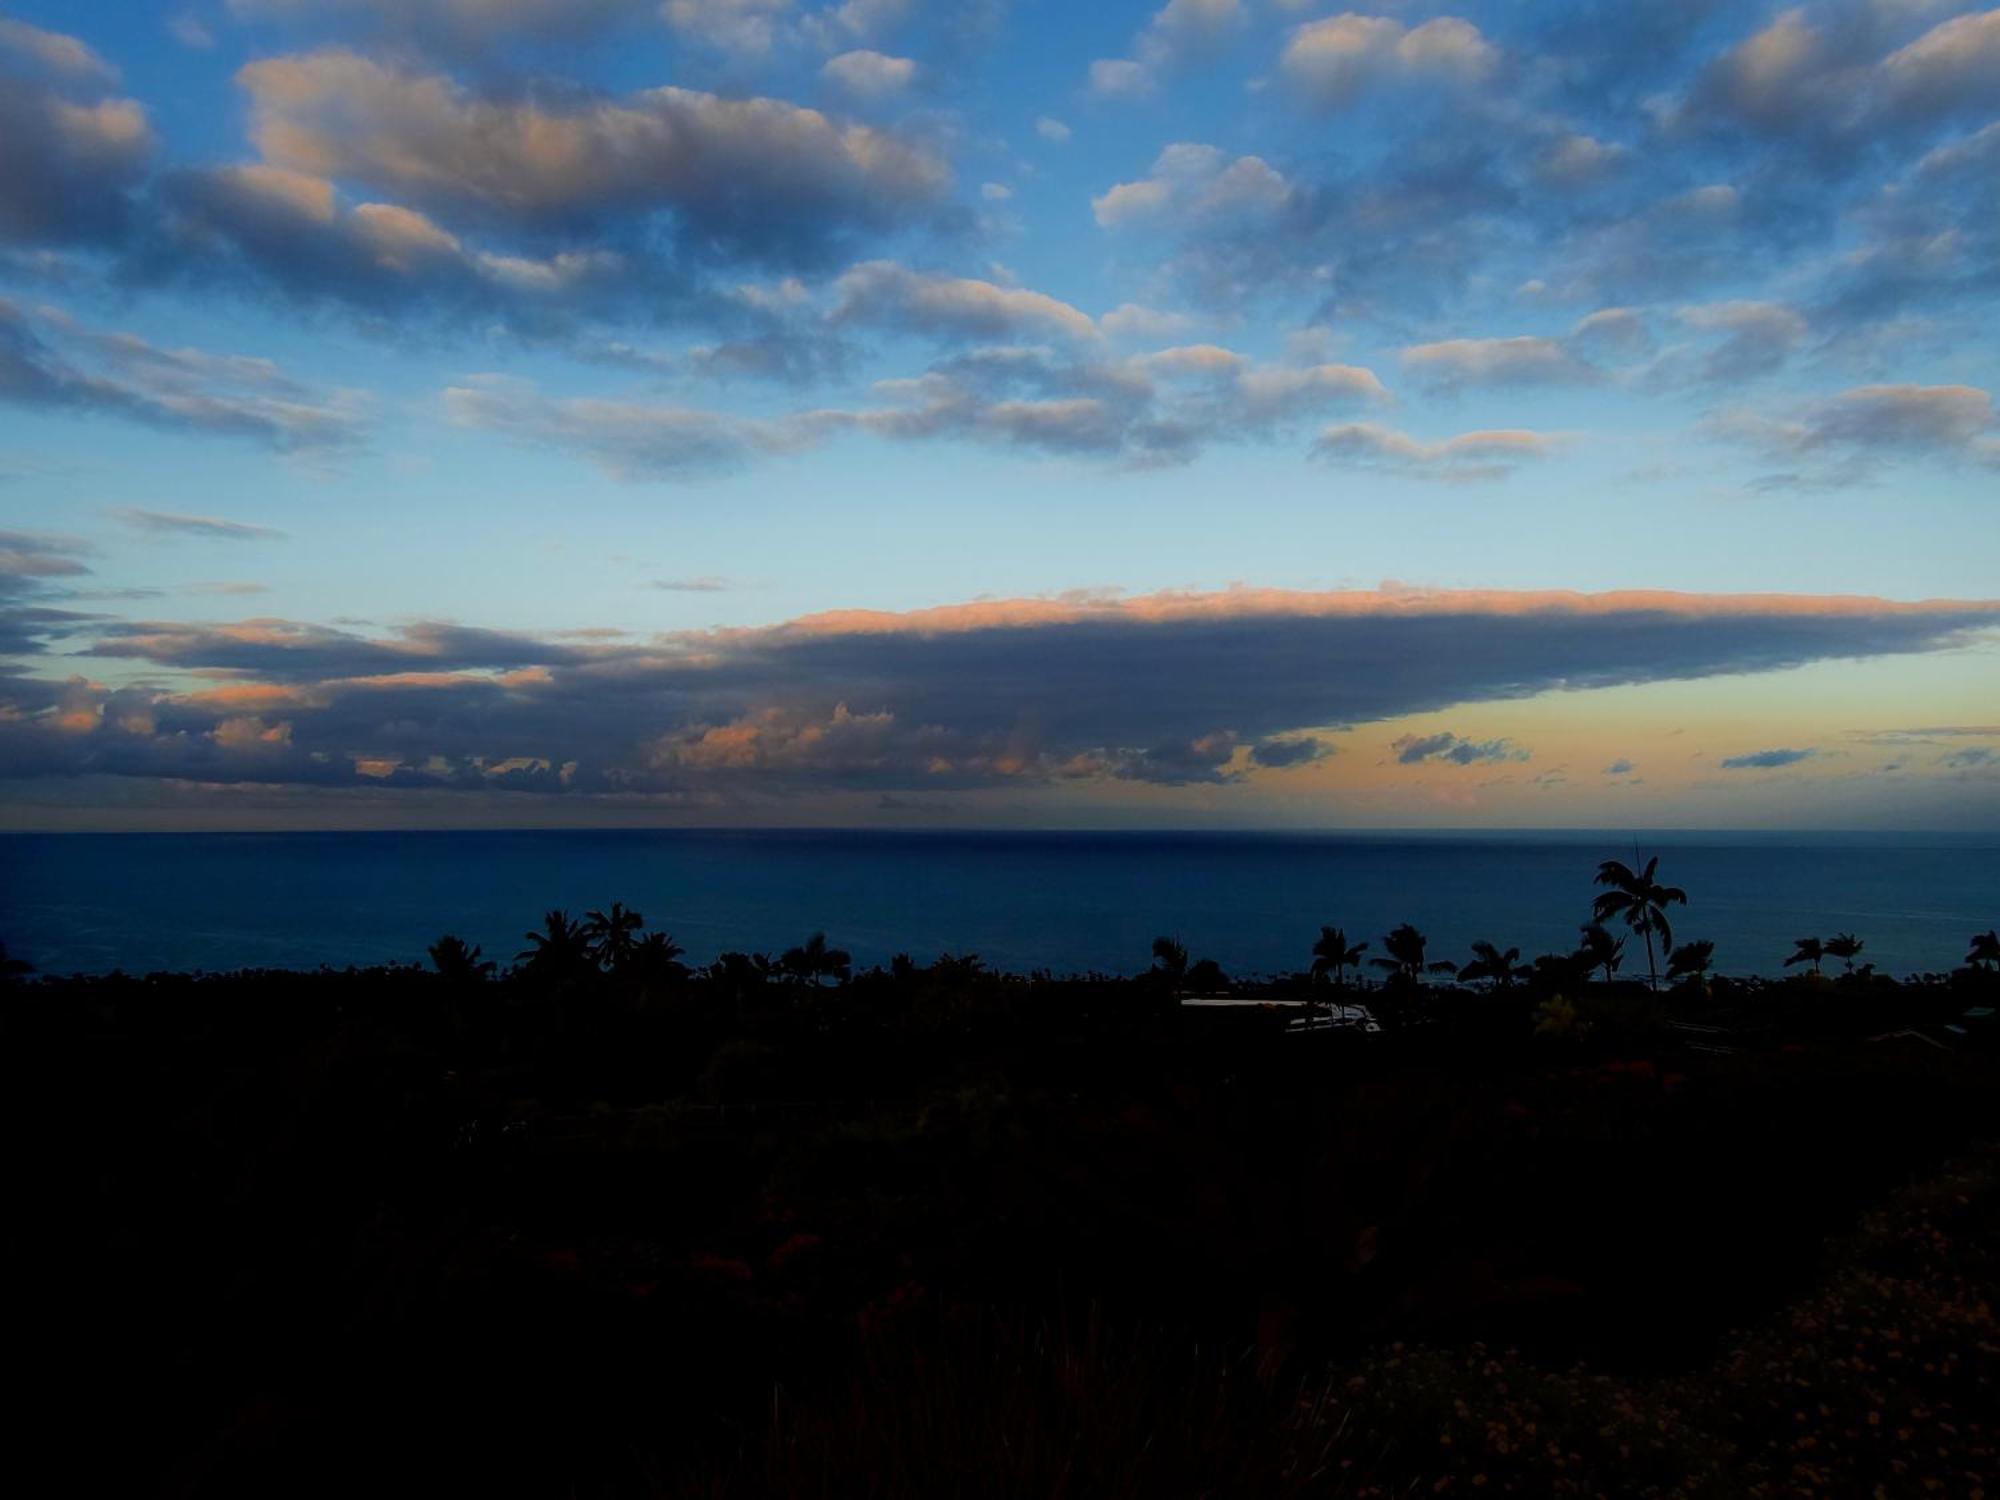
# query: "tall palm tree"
x,y
1170,961
1642,901
1600,950
813,961
1844,946
655,959
613,935
1691,960
1985,950
1807,950
1489,963
1334,955
561,950
1405,947
458,963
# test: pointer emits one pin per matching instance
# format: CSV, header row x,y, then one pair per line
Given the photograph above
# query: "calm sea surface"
x,y
1070,902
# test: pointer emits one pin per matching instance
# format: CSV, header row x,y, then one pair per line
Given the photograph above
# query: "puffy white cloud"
x,y
869,74
1332,61
1194,181
759,178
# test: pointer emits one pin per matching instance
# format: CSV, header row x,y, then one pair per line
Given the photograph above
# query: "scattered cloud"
x,y
210,528
1414,750
1766,760
1332,62
49,361
1468,457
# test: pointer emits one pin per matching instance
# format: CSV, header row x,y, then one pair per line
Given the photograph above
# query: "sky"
x,y
1236,413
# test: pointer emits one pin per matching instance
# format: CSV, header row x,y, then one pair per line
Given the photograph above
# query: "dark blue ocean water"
x,y
1070,902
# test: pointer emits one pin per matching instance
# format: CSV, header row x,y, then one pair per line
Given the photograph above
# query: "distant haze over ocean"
x,y
1061,901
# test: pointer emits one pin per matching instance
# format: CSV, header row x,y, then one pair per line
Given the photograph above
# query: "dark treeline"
x,y
606,1223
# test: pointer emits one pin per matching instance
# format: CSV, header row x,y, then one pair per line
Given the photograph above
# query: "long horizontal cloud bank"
x,y
1176,688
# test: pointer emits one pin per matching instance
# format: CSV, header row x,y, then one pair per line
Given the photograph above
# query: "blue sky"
x,y
627,336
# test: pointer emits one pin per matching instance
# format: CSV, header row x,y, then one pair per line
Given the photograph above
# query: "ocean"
x,y
1066,902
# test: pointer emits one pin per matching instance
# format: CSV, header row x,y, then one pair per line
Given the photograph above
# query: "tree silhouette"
x,y
1807,950
1205,975
1844,946
561,950
1985,952
1691,960
655,960
1170,961
613,935
1334,955
1405,947
456,962
1641,901
1498,968
812,961
12,969
1600,950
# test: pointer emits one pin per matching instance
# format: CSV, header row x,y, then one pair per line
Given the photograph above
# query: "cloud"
x,y
1970,758
1454,363
1148,410
1758,337
454,25
1298,750
54,54
1619,767
49,361
1767,760
630,439
1414,750
742,178
211,528
1052,130
1468,457
1193,181
1180,32
707,583
1163,688
1844,434
75,154
868,74
889,295
39,554
1332,62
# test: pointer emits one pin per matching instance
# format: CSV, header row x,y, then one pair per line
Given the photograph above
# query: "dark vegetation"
x,y
605,1224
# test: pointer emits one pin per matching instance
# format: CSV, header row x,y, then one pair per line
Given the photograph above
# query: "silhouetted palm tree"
x,y
1405,947
1489,963
1985,950
1170,961
1807,950
1844,946
613,935
813,961
655,959
1641,901
561,950
1691,960
1600,950
1334,955
455,961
